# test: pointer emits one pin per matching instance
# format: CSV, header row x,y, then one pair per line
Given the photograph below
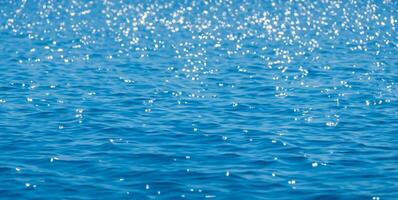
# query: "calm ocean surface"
x,y
199,99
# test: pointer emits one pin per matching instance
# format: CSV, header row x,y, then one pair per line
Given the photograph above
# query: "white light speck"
x,y
54,158
331,123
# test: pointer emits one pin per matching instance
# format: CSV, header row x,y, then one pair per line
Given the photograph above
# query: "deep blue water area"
x,y
212,99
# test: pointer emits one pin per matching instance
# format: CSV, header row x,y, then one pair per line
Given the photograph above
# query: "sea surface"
x,y
199,99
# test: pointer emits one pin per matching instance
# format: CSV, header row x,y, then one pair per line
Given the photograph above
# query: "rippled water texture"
x,y
199,99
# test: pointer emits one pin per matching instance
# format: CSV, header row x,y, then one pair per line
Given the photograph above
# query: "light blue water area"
x,y
199,99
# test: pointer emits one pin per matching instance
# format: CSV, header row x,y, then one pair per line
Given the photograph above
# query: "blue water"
x,y
199,99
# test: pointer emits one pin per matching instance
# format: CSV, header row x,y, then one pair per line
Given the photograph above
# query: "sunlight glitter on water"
x,y
218,99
